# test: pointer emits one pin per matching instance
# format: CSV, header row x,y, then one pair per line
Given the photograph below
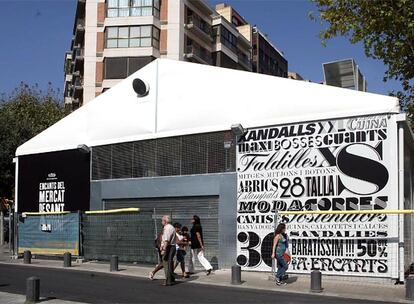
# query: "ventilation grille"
x,y
181,155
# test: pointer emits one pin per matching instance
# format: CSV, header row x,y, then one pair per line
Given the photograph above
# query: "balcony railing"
x,y
244,60
197,22
78,82
199,53
229,45
68,63
79,53
80,24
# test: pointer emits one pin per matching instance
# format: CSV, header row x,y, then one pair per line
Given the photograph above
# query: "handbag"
x,y
286,256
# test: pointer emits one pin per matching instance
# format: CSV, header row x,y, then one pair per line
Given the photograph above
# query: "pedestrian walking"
x,y
159,266
182,242
197,246
168,250
279,252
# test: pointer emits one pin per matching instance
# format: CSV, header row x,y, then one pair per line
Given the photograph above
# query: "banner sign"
x,y
54,182
345,164
49,234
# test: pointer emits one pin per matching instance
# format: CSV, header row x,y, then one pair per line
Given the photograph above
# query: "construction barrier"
x,y
126,233
48,234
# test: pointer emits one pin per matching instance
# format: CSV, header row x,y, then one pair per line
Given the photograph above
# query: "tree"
x,y
386,29
23,114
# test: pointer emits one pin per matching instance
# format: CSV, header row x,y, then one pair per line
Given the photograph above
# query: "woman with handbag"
x,y
279,252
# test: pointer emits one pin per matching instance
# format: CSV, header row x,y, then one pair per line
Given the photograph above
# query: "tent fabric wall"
x,y
187,98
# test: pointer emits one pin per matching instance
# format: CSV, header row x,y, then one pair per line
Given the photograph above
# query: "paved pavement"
x,y
298,287
92,287
12,298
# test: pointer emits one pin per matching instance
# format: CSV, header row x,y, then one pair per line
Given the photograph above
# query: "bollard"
x,y
114,263
235,275
409,288
67,259
316,281
1,228
32,290
27,257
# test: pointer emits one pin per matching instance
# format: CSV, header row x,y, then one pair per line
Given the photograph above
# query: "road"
x,y
75,285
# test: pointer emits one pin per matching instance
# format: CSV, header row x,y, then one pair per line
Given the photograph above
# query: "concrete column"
x,y
175,30
91,29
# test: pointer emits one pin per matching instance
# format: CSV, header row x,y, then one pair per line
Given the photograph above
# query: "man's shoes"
x,y
280,282
208,272
151,276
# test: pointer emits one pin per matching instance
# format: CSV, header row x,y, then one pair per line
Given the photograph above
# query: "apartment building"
x,y
114,38
344,73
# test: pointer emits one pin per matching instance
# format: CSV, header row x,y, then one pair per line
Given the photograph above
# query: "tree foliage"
x,y
23,114
386,29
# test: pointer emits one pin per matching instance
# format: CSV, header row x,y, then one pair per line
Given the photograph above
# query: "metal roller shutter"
x,y
181,209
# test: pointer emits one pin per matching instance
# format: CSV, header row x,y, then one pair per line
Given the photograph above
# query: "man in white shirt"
x,y
168,249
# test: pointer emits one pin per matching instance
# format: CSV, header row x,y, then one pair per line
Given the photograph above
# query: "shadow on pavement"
x,y
46,299
291,280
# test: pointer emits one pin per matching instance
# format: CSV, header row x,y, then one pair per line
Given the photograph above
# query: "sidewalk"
x,y
336,287
11,298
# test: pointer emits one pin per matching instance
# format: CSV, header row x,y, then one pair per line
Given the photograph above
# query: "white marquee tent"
x,y
187,98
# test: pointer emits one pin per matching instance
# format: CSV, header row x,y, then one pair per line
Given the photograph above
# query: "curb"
x,y
227,285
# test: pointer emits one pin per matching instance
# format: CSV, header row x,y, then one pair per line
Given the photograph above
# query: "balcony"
x,y
243,43
77,88
79,31
68,100
245,62
198,54
67,90
200,28
78,55
68,77
203,6
80,25
68,63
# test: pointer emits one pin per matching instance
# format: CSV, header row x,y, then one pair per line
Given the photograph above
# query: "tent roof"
x,y
186,98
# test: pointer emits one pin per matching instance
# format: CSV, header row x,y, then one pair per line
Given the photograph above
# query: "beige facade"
x,y
118,37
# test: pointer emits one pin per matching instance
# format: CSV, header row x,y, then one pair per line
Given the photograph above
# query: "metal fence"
x,y
409,243
97,235
181,210
129,235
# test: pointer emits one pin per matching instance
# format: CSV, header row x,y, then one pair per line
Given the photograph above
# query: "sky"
x,y
36,34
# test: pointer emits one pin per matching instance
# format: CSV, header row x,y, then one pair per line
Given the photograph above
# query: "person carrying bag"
x,y
281,253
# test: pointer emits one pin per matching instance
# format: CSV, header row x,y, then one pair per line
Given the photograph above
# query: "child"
x,y
182,242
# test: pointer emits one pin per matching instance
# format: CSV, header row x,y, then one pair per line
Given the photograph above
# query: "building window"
x,y
134,36
228,39
135,8
116,68
196,20
121,67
